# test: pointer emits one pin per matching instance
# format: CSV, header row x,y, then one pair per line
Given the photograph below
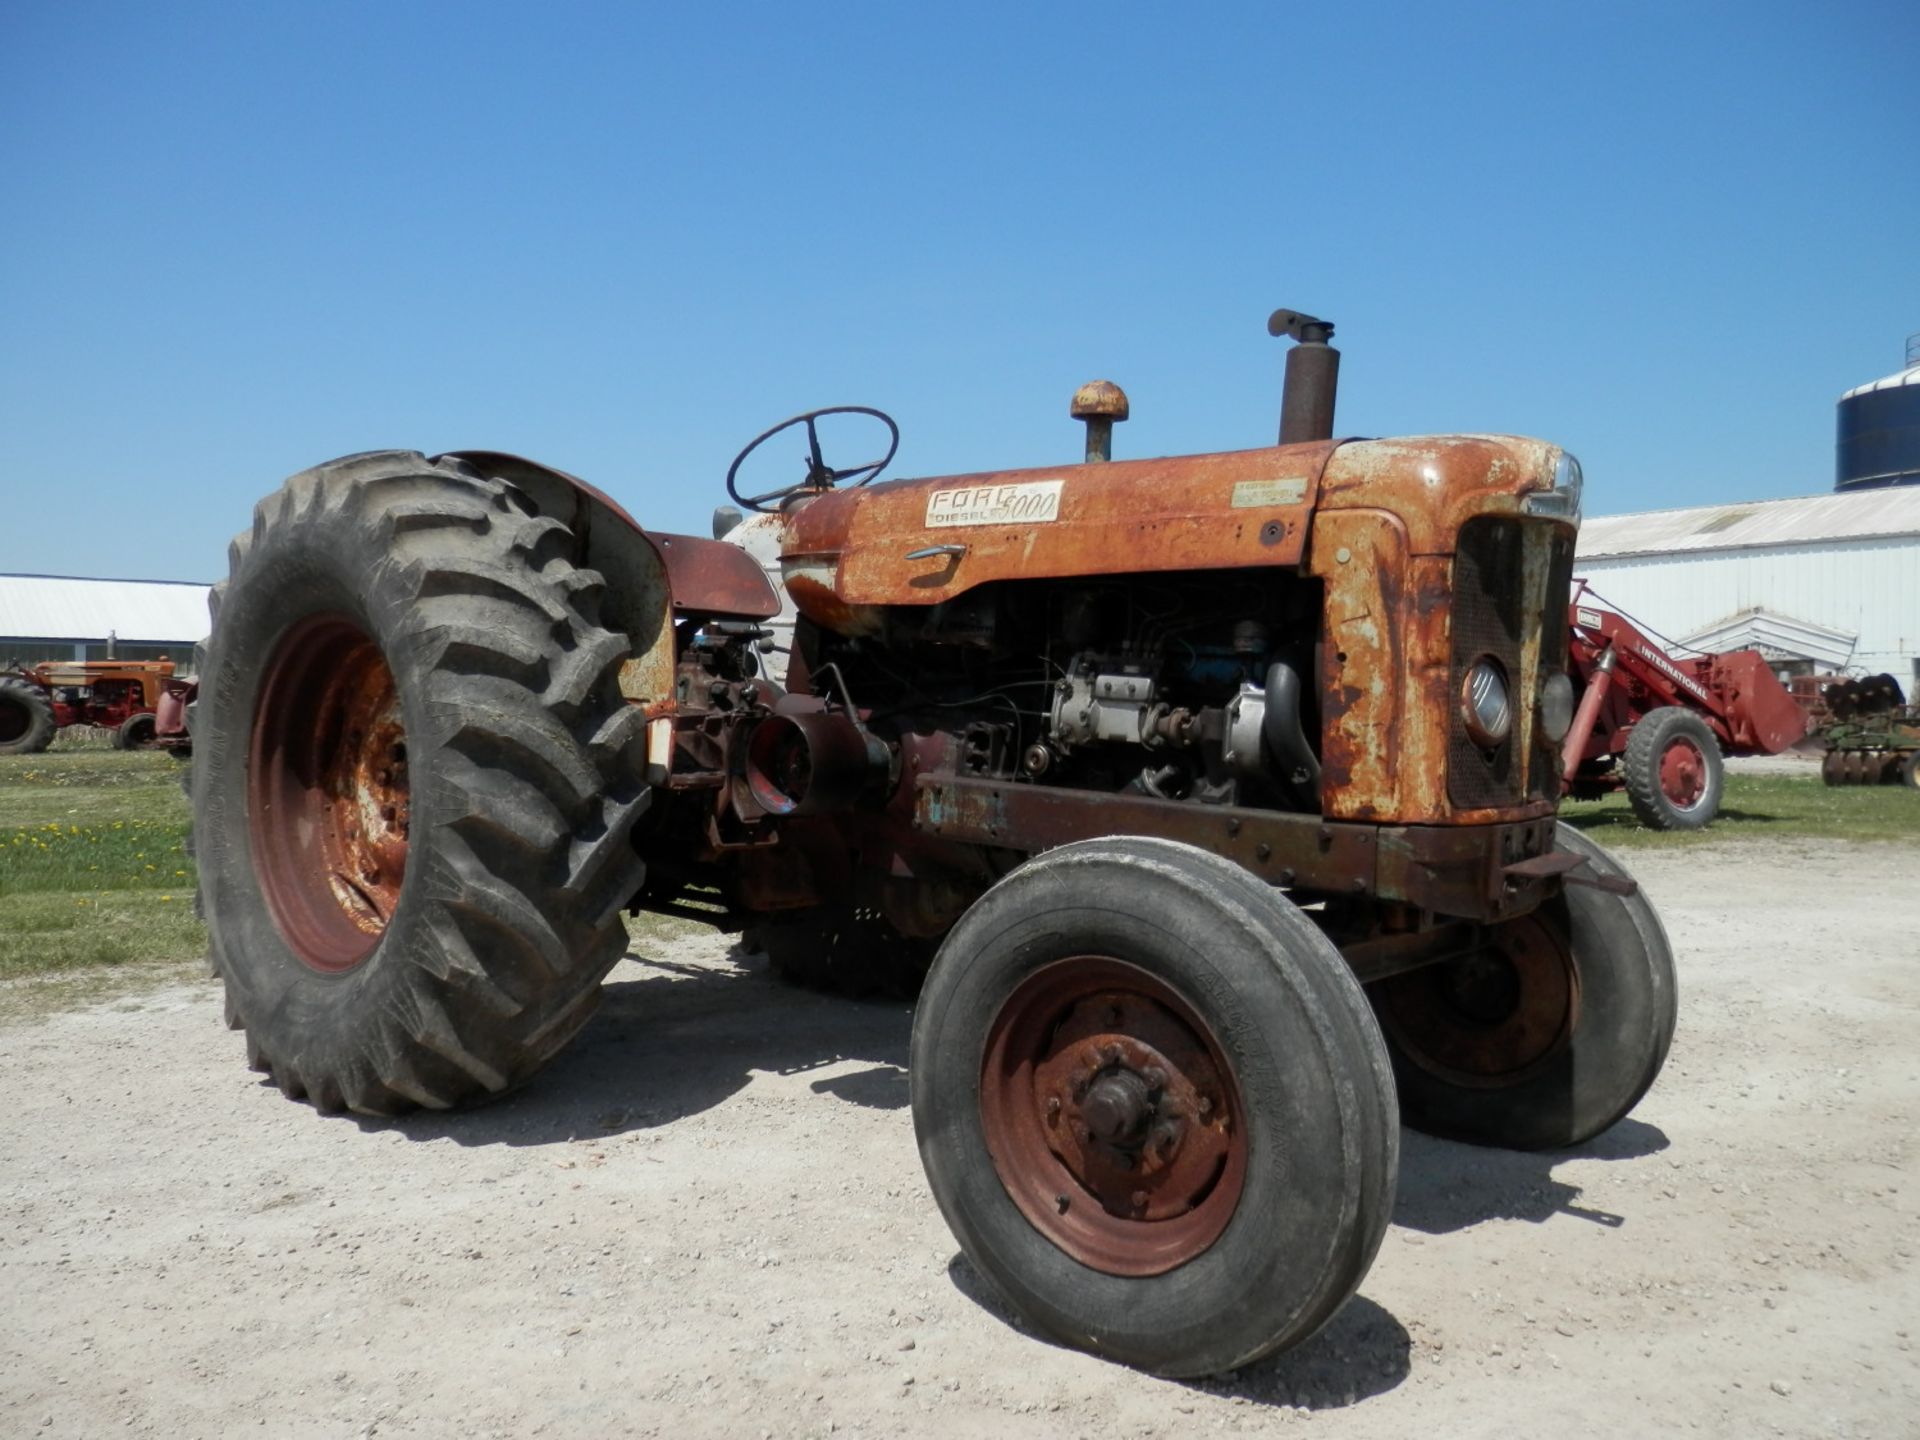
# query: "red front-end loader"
x,y
1657,726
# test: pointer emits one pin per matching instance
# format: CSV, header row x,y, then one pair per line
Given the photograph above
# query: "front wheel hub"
x,y
1683,774
1491,1018
1112,1116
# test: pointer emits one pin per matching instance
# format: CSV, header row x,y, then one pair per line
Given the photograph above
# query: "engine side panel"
x,y
850,550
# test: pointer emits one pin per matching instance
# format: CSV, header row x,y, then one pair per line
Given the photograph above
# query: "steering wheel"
x,y
820,475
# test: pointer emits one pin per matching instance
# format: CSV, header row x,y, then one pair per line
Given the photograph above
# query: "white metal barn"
x,y
1821,583
66,617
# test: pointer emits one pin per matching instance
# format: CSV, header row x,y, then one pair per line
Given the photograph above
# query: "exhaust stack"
x,y
1313,376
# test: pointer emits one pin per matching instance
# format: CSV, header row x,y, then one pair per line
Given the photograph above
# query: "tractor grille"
x,y
1497,595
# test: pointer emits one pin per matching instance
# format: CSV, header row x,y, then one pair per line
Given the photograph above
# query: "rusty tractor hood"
x,y
919,542
1436,483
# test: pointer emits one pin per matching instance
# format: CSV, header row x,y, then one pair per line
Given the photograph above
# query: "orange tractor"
x,y
1209,801
39,701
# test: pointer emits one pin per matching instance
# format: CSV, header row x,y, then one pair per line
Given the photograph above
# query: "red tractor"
x,y
1214,796
38,702
1656,725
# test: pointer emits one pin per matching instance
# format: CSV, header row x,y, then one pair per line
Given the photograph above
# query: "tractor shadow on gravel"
x,y
1446,1186
677,1039
1363,1352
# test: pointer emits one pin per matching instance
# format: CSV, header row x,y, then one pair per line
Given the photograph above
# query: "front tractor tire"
x,y
135,732
26,718
1549,1035
1154,1107
414,786
1673,770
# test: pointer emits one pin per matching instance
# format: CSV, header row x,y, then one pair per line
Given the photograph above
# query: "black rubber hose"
x,y
1286,740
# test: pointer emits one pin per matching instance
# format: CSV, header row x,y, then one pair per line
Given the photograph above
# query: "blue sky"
x,y
236,240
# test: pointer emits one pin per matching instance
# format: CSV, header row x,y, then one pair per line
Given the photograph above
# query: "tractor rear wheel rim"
x,y
1490,1018
327,792
1112,1116
1683,773
14,719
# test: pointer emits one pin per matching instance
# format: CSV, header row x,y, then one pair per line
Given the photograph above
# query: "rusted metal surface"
x,y
1112,1116
1465,870
1375,641
328,793
1878,747
1492,1016
1384,540
713,578
808,762
1436,483
1450,869
847,550
1378,957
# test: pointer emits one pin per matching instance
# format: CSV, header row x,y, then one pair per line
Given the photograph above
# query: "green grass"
x,y
95,880
93,864
1767,807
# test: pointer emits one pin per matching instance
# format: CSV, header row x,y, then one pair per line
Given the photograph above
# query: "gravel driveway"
x,y
708,1218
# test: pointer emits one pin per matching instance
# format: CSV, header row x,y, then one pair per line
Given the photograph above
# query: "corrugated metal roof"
x,y
1909,376
66,607
1809,519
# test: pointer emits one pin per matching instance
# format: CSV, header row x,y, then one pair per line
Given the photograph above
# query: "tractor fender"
x,y
653,579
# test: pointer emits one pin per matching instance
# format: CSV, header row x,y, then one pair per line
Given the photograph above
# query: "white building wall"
x,y
1869,587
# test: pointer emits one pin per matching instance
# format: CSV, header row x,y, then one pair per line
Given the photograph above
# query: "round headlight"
x,y
1556,707
1485,704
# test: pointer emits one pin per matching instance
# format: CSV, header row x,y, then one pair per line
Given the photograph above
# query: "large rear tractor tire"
x,y
1673,770
414,786
1550,1035
1154,1107
26,718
